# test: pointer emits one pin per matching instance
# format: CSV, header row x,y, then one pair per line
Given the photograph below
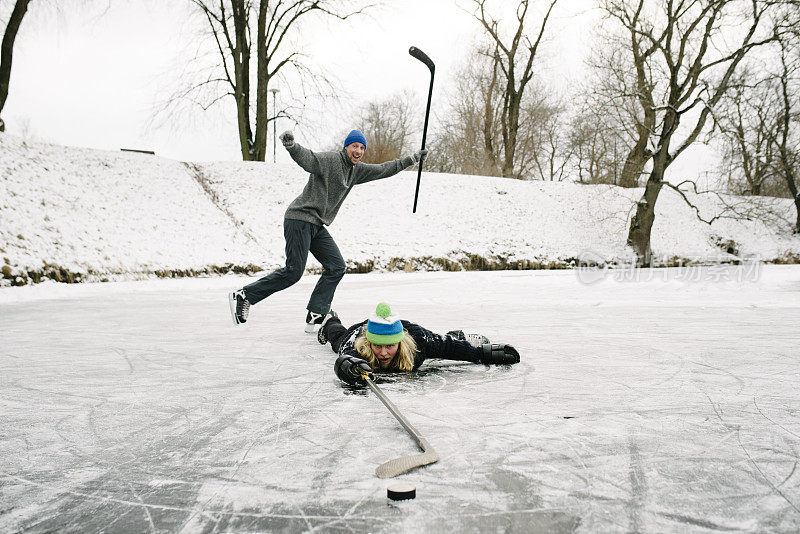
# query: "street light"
x,y
274,92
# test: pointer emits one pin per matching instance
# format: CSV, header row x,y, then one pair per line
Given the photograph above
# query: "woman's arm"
x,y
350,363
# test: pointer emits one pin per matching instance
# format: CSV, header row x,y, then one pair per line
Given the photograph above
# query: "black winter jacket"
x,y
429,345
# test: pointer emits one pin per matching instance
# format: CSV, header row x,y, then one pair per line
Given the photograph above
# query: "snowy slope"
x,y
91,214
88,210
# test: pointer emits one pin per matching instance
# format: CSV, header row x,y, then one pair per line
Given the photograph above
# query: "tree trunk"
x,y
510,134
790,182
642,220
787,156
7,48
634,164
639,155
262,85
488,116
242,73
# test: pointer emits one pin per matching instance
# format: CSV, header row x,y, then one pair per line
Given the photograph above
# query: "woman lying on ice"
x,y
384,343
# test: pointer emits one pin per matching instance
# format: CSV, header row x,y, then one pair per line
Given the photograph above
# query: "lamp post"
x,y
274,92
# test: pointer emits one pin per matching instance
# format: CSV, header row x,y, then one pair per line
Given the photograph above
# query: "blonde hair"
x,y
403,360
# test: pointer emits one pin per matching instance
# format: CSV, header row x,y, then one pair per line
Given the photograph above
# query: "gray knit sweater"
x,y
332,177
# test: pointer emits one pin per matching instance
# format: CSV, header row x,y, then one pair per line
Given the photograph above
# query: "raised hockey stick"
x,y
401,465
420,55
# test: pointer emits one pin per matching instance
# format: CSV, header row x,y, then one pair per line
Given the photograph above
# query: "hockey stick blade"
x,y
422,56
404,464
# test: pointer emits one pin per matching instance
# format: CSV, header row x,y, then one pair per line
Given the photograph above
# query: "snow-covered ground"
x,y
97,215
646,401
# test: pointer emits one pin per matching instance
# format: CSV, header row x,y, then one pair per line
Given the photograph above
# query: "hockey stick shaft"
x,y
401,465
420,55
396,413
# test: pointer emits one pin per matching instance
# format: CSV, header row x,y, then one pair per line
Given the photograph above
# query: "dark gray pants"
x,y
301,238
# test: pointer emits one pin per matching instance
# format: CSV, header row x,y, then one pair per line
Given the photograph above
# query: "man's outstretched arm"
x,y
300,154
375,171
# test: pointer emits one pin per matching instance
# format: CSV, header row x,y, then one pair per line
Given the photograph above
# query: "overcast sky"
x,y
91,77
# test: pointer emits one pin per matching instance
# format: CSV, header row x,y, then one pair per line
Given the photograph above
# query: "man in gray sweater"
x,y
332,176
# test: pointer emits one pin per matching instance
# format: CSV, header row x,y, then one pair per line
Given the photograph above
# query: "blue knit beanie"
x,y
356,137
383,328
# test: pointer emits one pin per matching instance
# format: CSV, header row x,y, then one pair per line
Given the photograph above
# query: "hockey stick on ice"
x,y
401,465
420,55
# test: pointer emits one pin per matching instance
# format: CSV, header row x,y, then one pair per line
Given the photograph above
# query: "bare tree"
x,y
759,119
469,134
691,66
552,152
624,91
239,29
788,138
388,125
596,146
512,68
7,49
748,118
468,130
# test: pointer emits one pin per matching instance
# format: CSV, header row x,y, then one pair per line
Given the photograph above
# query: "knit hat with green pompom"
x,y
383,328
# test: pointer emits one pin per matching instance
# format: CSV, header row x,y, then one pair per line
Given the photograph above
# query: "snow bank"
x,y
80,214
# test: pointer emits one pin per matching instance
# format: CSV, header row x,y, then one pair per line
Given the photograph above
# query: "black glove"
x,y
287,138
349,369
420,155
493,353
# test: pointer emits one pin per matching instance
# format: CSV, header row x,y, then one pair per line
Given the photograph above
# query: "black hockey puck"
x,y
401,491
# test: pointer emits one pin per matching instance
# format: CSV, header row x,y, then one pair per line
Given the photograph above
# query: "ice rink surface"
x,y
650,401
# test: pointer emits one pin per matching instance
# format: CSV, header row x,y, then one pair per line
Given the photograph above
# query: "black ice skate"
x,y
313,320
240,308
476,340
316,320
321,336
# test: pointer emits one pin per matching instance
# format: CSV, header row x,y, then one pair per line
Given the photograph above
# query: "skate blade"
x,y
232,305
